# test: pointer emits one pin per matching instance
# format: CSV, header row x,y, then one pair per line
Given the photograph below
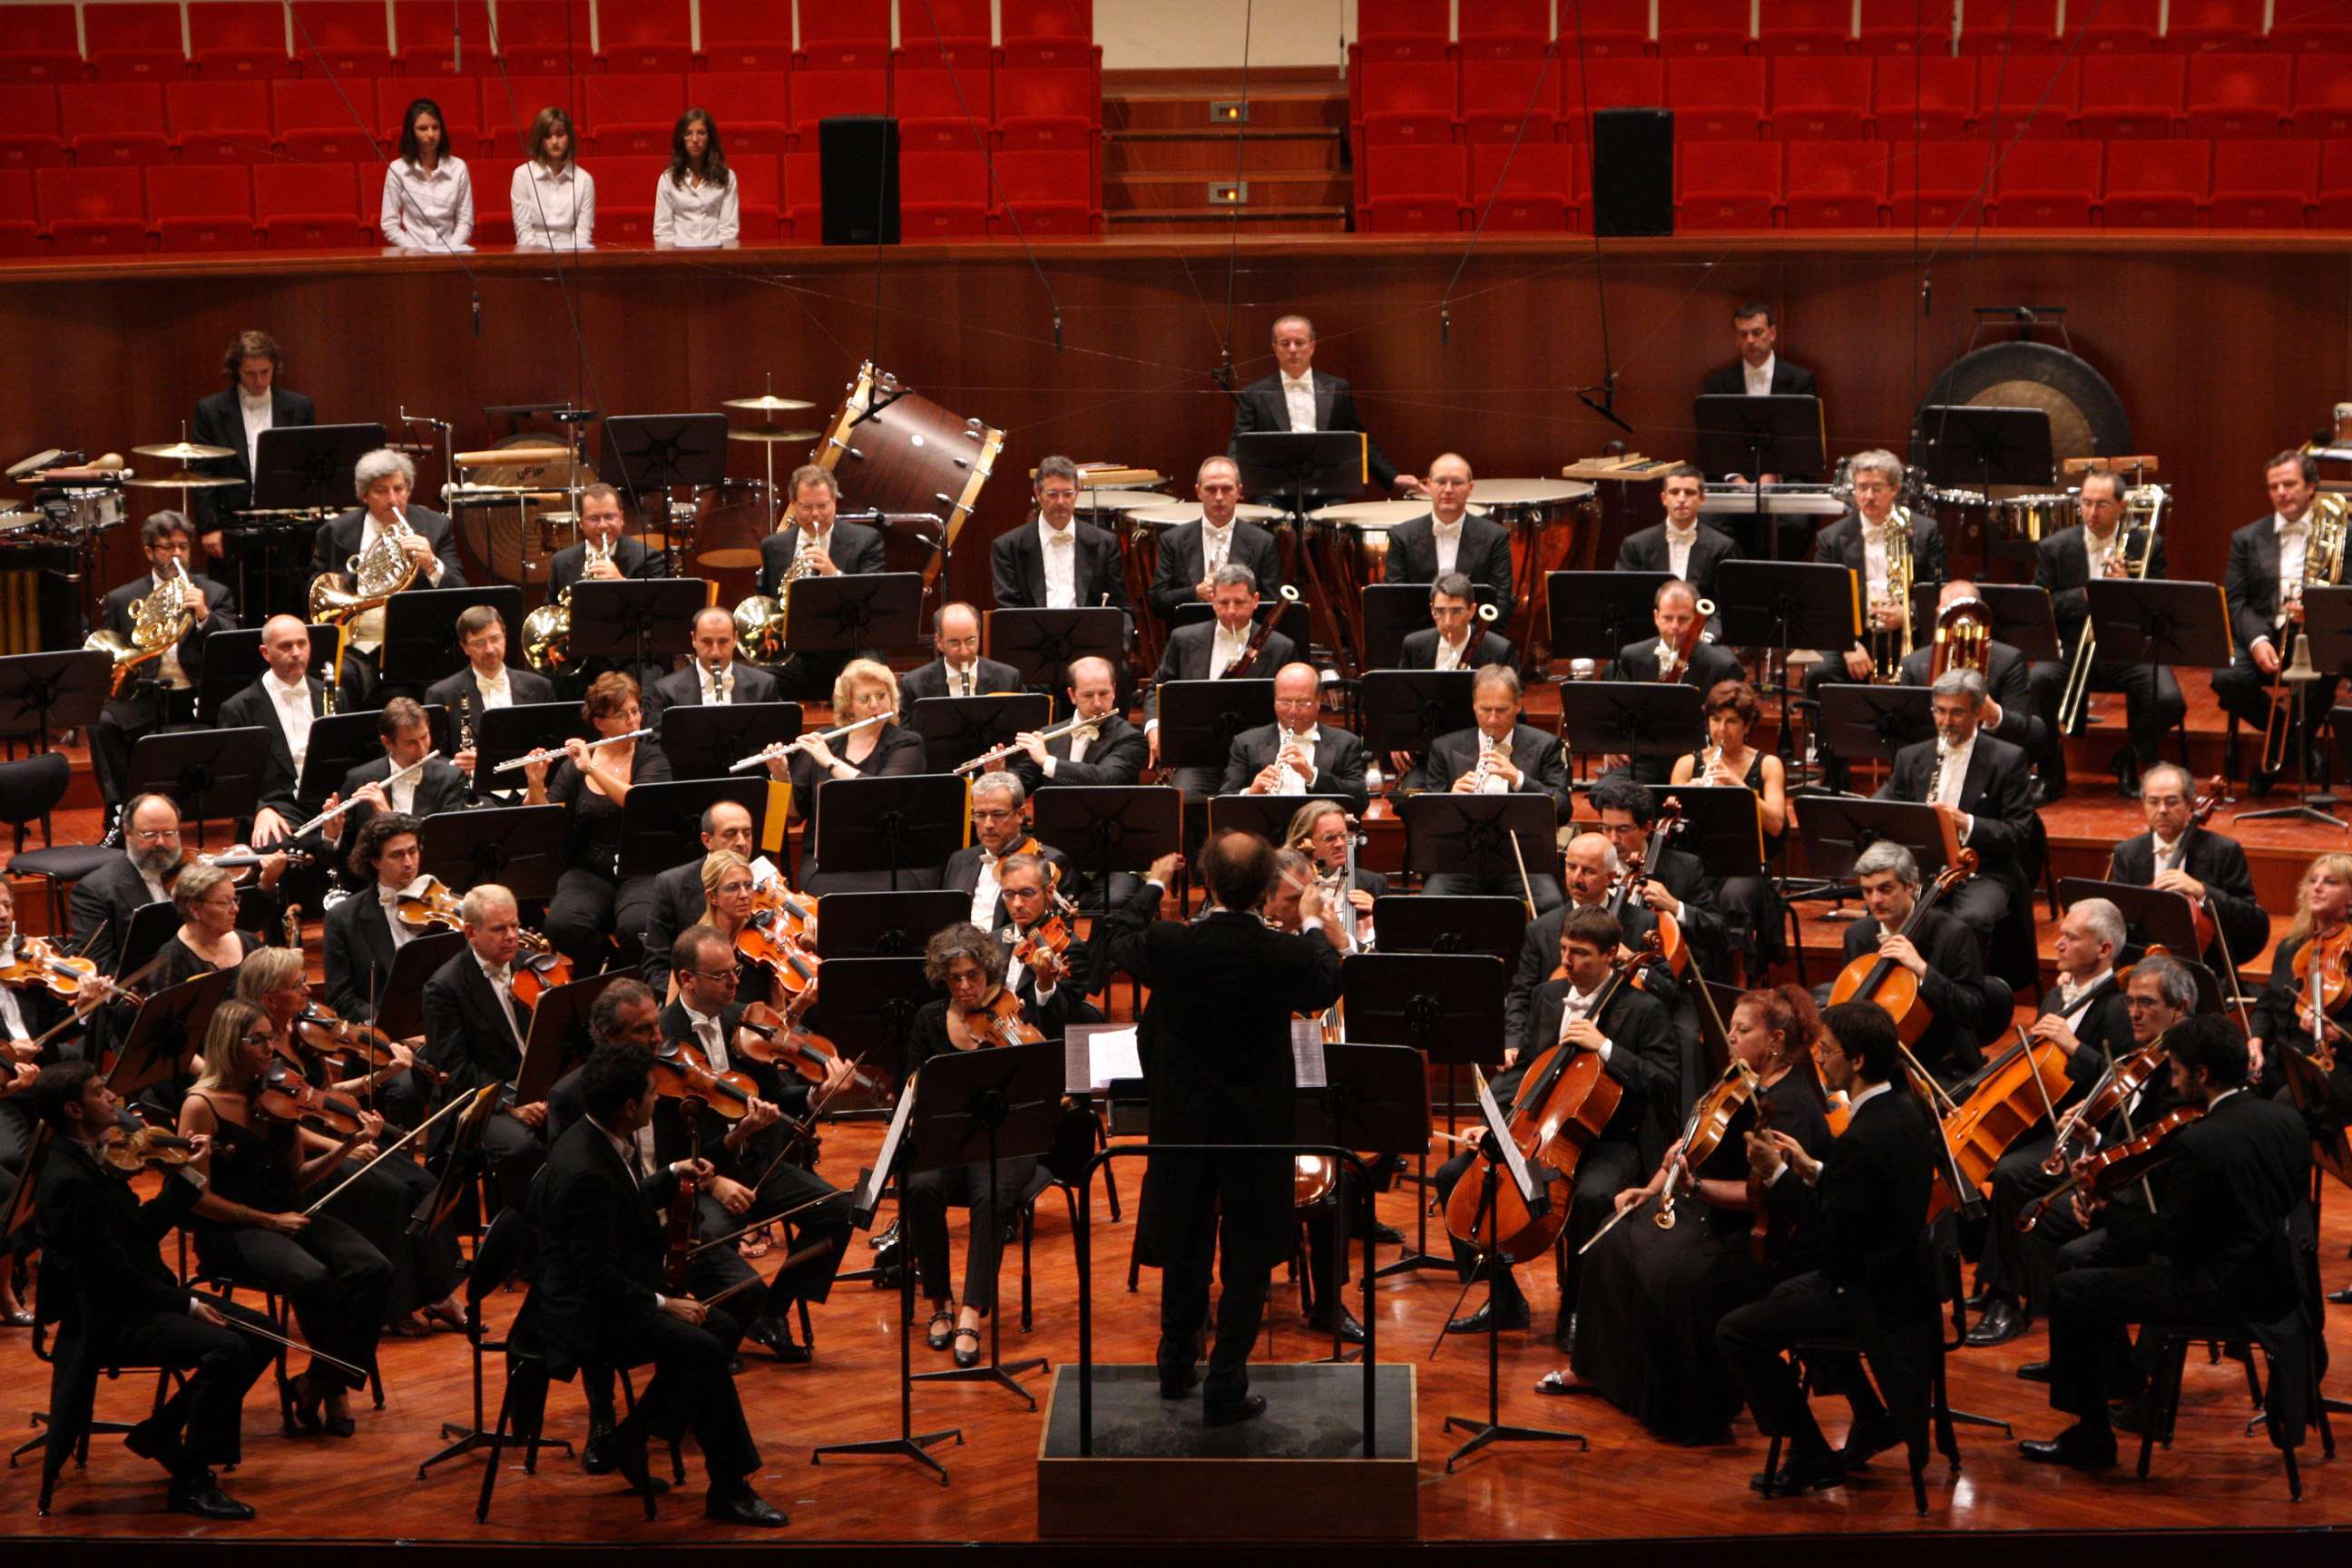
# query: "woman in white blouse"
x,y
429,197
694,202
554,199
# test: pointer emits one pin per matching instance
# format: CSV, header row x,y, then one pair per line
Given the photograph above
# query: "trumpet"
x,y
766,755
1093,726
399,776
549,753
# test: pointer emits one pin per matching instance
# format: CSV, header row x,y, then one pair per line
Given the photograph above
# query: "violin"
x,y
2103,1172
2320,974
131,1146
286,1096
1312,1179
768,939
1045,948
1876,978
799,913
322,1031
2122,1083
432,907
36,961
765,1034
1710,1119
998,1022
680,1072
239,861
538,970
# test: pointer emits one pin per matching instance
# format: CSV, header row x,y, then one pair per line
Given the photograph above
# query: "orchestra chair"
x,y
66,1426
30,789
442,37
2012,27
2194,26
754,109
498,1257
1813,27
1499,94
29,133
1048,1179
43,46
1927,97
281,1322
541,37
135,43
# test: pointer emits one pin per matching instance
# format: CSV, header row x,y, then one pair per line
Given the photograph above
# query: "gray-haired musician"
x,y
1982,785
384,524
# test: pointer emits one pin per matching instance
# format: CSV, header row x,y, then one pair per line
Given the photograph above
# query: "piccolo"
x,y
1067,727
786,748
325,817
549,753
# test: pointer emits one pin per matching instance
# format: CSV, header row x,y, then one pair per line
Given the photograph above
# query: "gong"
x,y
2086,418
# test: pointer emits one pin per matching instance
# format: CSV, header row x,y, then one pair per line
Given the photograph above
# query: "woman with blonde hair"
x,y
2280,1024
864,689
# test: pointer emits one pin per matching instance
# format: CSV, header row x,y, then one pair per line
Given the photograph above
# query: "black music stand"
x,y
1874,722
1780,434
452,1182
1405,709
705,740
898,824
661,824
144,934
1472,834
886,925
866,1006
2156,917
43,692
625,619
420,630
1392,612
1043,644
1291,468
1105,828
520,847
1200,718
557,1019
210,773
168,1025
2021,615
1265,816
978,1107
339,742
857,613
400,1004
1595,613
502,734
233,660
955,730
308,468
647,454
1838,828
1374,1100
1721,824
1630,718
1781,604
1450,922
1964,446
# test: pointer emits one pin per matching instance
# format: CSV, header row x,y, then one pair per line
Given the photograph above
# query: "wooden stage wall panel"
x,y
2223,350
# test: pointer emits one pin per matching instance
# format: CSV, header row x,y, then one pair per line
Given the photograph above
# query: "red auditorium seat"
x,y
20,216
2029,95
1047,111
624,198
2322,96
436,34
2114,26
2263,184
746,36
2195,26
1689,29
1931,98
93,212
758,196
510,103
1410,190
1805,26
819,95
2157,185
1500,93
309,206
2008,26
1837,184
344,37
1905,27
1936,184
2238,95
1727,184
543,38
1718,98
932,31
2310,25
645,35
225,121
2047,185
1052,192
114,122
842,34
239,38
754,108
135,42
940,108
803,199
200,208
633,115
314,124
1503,30
1046,34
29,137
1415,31
942,197
1625,84
2132,97
2331,203
1531,187
1821,98
461,114
1406,103
1604,28
44,46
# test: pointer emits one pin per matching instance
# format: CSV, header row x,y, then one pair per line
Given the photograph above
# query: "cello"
x,y
1877,978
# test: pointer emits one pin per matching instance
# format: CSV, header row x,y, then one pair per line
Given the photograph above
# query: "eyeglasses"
x,y
715,976
2135,1004
257,1037
154,834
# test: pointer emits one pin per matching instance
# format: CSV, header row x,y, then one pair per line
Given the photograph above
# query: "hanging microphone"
x,y
1058,328
477,313
1445,326
457,40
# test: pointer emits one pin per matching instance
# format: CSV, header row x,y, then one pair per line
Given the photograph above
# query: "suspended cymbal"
x,y
772,434
186,480
184,452
768,403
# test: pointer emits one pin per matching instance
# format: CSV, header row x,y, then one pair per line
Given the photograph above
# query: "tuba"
x,y
157,621
762,625
367,580
1963,639
547,630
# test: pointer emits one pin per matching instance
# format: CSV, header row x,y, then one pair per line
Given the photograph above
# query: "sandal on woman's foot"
x,y
447,1312
1561,1382
942,1327
758,1244
967,1358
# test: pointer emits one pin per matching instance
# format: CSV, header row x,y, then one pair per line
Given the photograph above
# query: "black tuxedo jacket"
x,y
1840,544
1642,1058
1339,763
251,706
1868,1213
678,904
601,1241
1710,662
440,787
220,422
2006,682
2103,1024
1182,564
1186,657
631,555
2007,835
102,907
2060,566
1261,405
2252,581
1788,380
1421,650
932,681
673,1133
466,1032
336,542
855,548
462,689
90,1221
1645,551
1017,568
1535,755
359,954
962,874
1540,956
1114,756
1952,988
1484,556
220,602
2222,1202
684,688
2218,861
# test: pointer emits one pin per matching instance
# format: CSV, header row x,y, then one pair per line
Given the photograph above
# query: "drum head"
x,y
514,544
2086,418
1175,515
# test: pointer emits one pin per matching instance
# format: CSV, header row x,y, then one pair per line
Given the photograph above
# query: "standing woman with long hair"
x,y
554,199
694,201
428,197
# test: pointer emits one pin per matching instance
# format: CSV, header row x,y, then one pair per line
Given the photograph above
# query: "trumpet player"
x,y
1295,754
1498,755
605,552
2264,584
486,682
1455,638
2101,546
812,544
383,523
714,676
162,695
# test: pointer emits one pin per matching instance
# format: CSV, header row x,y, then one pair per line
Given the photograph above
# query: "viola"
x,y
36,961
1710,1119
1671,946
2098,1175
286,1096
2122,1081
767,938
432,907
1876,978
1045,949
539,971
681,1072
765,1034
998,1022
1312,1179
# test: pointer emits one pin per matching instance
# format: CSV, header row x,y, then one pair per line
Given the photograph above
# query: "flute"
x,y
549,753
1068,727
786,748
325,817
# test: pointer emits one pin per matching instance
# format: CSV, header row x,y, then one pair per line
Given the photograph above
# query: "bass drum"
x,y
2086,418
913,456
510,538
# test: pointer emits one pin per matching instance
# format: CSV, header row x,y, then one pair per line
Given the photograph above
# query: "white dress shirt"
x,y
402,793
1874,560
1216,547
1299,395
1448,536
1758,377
718,690
496,693
1679,550
256,412
2293,541
1955,776
963,681
1452,654
390,899
1059,547
291,704
710,1035
1577,1006
428,212
2095,550
1224,646
986,892
1078,741
2068,993
554,208
696,212
501,979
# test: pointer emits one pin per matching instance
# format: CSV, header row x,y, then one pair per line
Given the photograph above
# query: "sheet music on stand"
x,y
870,1189
1096,1056
1499,1125
1307,1053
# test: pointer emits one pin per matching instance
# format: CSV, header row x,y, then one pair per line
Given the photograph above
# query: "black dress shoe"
x,y
597,1455
967,1355
2034,1372
2001,1323
743,1507
1476,1322
885,1238
2078,1448
1868,1439
1387,1235
2341,1298
1248,1407
776,1335
1351,1332
1803,1473
1179,1386
626,1445
2130,1417
200,1495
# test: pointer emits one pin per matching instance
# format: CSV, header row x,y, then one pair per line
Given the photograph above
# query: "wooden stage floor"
x,y
362,1494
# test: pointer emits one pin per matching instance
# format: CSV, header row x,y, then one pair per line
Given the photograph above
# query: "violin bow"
x,y
257,1331
404,1140
801,1127
744,1230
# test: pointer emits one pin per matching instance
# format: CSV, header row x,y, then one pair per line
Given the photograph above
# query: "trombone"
x,y
2322,566
2148,498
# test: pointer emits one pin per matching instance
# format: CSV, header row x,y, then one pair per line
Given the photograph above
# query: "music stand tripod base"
x,y
1492,1429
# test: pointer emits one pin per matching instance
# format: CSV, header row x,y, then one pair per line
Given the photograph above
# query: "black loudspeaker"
x,y
1633,172
857,165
